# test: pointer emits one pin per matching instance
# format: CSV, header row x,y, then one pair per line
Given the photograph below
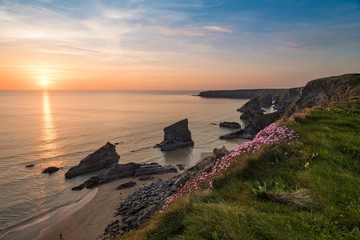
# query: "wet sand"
x,y
90,220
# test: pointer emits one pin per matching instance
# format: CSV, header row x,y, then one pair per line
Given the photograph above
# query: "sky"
x,y
164,44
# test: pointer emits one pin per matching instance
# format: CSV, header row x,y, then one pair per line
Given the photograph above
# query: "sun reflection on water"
x,y
49,147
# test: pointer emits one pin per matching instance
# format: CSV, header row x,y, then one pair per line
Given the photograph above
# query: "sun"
x,y
44,81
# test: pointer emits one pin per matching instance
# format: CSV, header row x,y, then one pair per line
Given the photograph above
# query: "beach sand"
x,y
90,220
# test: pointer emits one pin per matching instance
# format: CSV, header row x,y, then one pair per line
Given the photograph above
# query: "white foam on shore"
x,y
33,229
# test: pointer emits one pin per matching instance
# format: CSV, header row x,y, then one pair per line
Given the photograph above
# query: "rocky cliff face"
x,y
176,136
319,92
104,157
327,91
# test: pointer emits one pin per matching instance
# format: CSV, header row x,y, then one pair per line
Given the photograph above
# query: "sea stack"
x,y
176,136
104,157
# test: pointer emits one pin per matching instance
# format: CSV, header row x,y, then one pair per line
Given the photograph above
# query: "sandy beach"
x,y
85,219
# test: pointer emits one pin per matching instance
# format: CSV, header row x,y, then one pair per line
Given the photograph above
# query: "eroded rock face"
x,y
176,136
251,110
230,125
102,158
265,100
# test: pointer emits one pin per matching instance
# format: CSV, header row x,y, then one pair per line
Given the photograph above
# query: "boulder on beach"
x,y
230,125
176,136
50,170
102,158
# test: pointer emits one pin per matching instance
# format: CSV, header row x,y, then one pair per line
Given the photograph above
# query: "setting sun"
x,y
44,81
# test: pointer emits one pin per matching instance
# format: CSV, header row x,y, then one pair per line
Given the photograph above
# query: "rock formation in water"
x,y
251,110
176,136
50,170
128,170
230,125
102,158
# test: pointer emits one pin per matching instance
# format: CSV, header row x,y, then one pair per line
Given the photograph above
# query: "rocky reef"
x,y
102,158
128,170
176,136
230,125
50,170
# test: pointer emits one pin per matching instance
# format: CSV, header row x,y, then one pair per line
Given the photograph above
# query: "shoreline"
x,y
32,228
84,219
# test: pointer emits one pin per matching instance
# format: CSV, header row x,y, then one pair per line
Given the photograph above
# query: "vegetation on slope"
x,y
308,189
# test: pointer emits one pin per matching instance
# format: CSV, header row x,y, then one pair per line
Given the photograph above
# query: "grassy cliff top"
x,y
306,189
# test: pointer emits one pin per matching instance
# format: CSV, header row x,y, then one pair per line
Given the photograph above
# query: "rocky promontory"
x,y
102,158
176,136
241,93
318,92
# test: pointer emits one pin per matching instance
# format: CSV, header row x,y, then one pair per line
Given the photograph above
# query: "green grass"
x,y
238,207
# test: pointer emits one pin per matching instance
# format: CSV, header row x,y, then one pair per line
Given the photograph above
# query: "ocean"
x,y
59,128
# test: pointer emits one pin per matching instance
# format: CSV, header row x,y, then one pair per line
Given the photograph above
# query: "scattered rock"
x,y
230,125
180,167
50,170
176,136
126,185
30,166
145,178
139,206
213,124
104,157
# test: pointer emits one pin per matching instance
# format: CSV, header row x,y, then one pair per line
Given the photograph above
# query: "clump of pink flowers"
x,y
271,135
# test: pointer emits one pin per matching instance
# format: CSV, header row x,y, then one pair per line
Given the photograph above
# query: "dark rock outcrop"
x,y
176,136
230,125
250,131
102,158
266,100
126,185
50,170
127,170
180,167
251,110
30,166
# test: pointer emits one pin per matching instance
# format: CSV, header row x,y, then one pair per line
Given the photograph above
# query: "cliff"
x,y
241,93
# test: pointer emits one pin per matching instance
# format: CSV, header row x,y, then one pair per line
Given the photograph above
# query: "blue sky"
x,y
204,43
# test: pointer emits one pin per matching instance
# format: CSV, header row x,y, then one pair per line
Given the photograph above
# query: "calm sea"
x,y
59,128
